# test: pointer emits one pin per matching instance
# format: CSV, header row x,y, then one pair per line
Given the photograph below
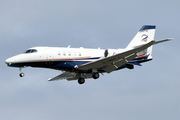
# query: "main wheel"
x,y
81,81
21,74
95,75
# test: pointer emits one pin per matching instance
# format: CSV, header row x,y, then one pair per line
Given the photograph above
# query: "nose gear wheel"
x,y
21,73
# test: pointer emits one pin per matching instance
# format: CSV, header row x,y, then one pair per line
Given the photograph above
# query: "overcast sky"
x,y
150,92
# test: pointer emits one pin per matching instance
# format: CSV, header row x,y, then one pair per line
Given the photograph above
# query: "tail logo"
x,y
144,38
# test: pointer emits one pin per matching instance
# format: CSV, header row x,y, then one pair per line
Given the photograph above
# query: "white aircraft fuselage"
x,y
60,58
82,63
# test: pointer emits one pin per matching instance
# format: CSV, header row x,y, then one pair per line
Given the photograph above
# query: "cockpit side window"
x,y
30,51
33,50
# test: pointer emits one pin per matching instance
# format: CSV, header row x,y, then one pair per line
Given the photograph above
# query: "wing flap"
x,y
110,68
85,76
119,63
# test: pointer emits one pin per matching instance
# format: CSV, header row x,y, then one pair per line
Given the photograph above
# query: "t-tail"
x,y
144,36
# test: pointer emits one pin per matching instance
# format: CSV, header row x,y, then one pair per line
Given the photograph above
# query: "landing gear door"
x,y
50,56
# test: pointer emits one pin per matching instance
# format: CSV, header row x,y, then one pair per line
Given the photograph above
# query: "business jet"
x,y
81,63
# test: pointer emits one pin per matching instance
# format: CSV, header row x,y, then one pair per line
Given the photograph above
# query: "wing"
x,y
70,76
111,63
64,75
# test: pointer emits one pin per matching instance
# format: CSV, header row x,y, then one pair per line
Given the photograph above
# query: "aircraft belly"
x,y
59,65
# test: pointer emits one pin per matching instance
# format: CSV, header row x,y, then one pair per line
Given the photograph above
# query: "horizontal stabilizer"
x,y
156,42
134,63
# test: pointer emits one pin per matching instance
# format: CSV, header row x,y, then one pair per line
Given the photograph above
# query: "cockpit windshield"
x,y
30,51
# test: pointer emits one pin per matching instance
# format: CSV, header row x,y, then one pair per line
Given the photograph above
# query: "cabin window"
x,y
79,53
69,53
64,53
59,53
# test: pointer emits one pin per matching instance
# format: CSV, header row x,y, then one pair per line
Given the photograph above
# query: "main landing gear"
x,y
21,73
94,75
81,80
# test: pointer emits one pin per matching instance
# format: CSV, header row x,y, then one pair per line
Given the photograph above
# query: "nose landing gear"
x,y
21,73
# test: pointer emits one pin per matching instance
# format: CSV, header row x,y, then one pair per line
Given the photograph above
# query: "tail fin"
x,y
145,35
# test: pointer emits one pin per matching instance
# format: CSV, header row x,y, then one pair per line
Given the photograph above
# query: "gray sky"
x,y
150,92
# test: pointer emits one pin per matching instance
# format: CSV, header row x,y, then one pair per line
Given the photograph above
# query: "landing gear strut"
x,y
21,73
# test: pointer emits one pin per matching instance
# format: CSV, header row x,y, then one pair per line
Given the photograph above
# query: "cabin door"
x,y
50,56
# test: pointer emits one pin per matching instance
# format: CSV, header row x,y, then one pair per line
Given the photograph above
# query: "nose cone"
x,y
14,61
9,61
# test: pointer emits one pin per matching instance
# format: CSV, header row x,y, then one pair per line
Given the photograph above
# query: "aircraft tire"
x,y
81,80
95,75
21,74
